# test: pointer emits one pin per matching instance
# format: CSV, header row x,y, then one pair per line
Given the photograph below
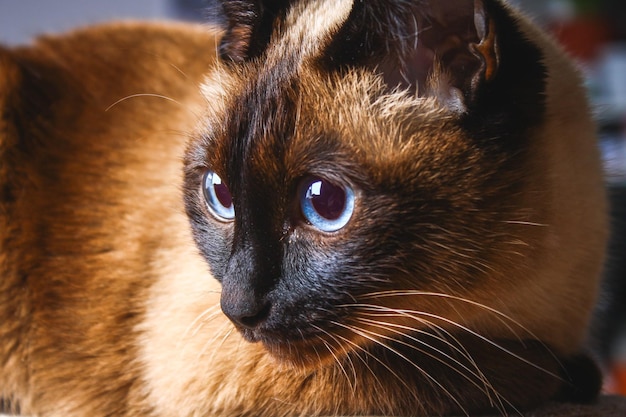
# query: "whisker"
x,y
337,360
207,315
451,250
319,358
143,95
487,388
183,73
390,326
525,223
433,380
503,317
227,334
359,349
383,364
342,368
409,313
436,328
441,334
160,57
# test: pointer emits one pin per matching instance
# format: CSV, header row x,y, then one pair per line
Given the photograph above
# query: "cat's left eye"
x,y
325,205
218,197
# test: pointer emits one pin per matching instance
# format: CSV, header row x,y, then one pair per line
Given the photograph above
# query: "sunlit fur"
x,y
108,308
91,138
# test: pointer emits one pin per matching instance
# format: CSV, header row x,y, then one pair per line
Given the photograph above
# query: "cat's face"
x,y
324,198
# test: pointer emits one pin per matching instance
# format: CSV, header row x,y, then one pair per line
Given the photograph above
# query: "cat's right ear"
x,y
443,48
249,25
471,56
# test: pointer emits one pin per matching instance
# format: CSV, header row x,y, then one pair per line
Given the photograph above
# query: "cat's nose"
x,y
245,313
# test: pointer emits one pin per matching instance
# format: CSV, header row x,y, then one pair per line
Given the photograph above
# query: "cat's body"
x,y
462,282
79,175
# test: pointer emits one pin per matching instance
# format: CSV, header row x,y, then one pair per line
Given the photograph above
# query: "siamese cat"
x,y
326,207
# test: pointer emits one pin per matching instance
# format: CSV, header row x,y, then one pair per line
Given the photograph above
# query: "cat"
x,y
327,207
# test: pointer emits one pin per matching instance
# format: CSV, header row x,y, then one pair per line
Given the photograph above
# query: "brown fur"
x,y
106,307
87,184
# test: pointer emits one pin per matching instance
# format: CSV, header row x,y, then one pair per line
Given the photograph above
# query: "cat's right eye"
x,y
325,205
218,197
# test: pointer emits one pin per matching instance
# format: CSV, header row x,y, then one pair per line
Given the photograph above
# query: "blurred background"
x,y
593,31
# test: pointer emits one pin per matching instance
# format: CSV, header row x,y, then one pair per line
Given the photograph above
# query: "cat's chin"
x,y
301,353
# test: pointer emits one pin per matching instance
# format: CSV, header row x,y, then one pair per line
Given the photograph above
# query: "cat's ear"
x,y
458,45
248,27
445,49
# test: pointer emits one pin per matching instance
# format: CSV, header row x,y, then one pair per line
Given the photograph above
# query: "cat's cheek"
x,y
213,239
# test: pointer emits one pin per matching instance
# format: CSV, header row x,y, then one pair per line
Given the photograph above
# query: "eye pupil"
x,y
218,197
326,206
328,199
222,193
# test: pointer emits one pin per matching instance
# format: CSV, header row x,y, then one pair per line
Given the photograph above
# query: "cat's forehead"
x,y
275,130
288,101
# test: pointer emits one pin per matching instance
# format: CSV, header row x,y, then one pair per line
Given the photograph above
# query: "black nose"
x,y
245,312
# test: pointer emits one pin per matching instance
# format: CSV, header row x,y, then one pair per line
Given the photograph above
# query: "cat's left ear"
x,y
458,44
248,27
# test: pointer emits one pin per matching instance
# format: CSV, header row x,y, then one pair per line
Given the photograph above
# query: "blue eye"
x,y
325,205
217,196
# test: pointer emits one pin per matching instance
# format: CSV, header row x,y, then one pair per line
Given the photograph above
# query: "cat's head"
x,y
360,162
